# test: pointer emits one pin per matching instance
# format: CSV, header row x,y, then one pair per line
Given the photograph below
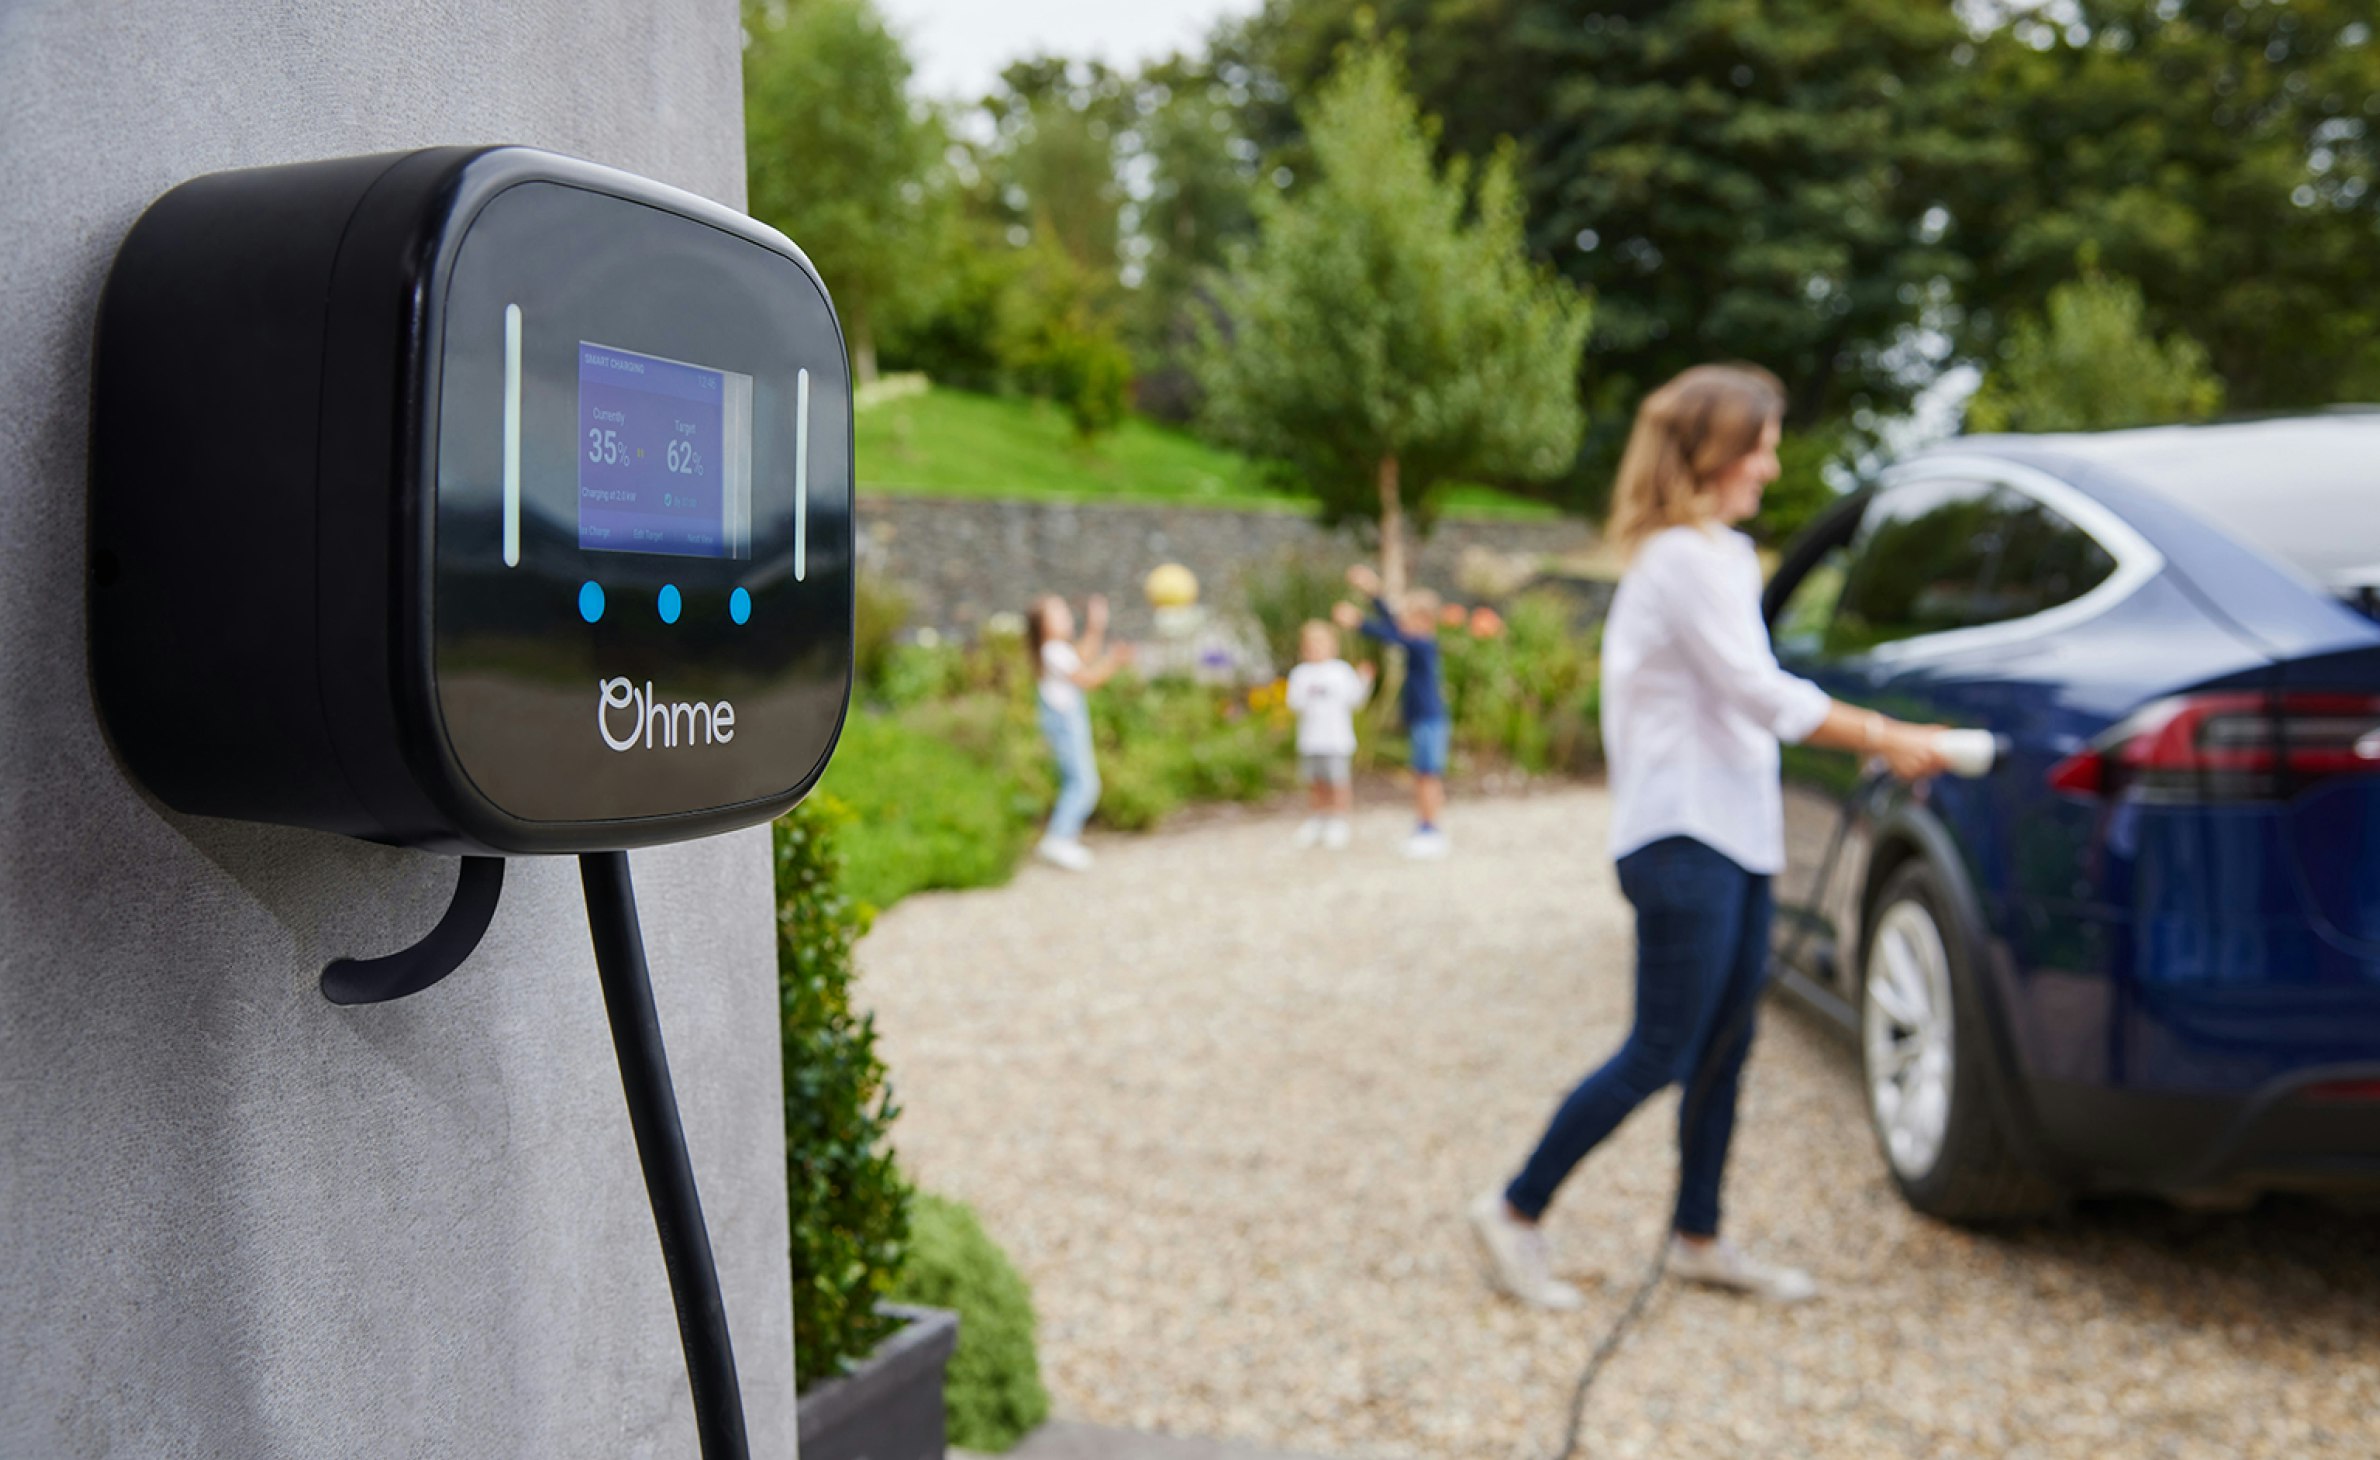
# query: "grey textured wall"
x,y
236,1221
963,559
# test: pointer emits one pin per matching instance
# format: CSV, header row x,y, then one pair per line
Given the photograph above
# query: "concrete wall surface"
x,y
235,1220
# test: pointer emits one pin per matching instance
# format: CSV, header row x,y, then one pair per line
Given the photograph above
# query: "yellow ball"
x,y
1171,586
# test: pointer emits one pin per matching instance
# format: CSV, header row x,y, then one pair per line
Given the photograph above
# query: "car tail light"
x,y
2356,1090
2229,746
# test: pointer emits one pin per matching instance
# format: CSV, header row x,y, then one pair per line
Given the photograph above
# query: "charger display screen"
x,y
642,602
664,455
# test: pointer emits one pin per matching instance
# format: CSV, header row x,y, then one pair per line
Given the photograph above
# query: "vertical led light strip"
x,y
801,475
512,435
736,508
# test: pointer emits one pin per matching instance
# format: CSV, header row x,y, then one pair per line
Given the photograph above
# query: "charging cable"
x,y
661,1148
1971,753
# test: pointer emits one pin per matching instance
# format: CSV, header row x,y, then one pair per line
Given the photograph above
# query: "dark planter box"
x,y
890,1407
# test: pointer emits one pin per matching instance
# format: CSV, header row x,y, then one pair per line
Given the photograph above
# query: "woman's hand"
x,y
1363,580
1911,752
1346,615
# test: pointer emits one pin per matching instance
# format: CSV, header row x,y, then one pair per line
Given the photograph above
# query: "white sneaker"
x,y
1310,832
1334,834
1427,844
1722,1264
1518,1256
1065,852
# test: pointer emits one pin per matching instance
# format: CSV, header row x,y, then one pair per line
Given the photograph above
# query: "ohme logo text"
x,y
658,724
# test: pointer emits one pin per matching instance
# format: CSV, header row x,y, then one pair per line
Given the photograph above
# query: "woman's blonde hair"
x,y
1686,433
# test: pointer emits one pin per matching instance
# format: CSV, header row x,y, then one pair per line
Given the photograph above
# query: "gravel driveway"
x,y
1223,1100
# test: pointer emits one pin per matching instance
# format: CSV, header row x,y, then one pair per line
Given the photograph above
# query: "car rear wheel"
x,y
1926,1064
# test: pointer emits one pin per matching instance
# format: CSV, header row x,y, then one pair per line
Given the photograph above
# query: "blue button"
x,y
670,603
739,605
590,600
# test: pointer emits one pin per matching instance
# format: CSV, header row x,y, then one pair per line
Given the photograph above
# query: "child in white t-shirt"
x,y
1324,693
1065,671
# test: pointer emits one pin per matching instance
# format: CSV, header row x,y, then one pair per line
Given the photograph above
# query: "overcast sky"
x,y
959,46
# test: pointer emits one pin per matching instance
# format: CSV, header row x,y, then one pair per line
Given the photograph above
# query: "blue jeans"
x,y
1701,949
1069,735
1429,739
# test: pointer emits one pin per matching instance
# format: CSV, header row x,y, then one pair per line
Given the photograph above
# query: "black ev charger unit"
x,y
472,499
490,502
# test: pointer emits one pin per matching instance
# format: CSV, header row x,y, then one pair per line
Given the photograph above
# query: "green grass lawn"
x,y
955,443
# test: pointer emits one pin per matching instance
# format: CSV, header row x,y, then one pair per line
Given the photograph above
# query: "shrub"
x,y
879,612
1136,792
1087,370
847,1201
957,340
916,674
1163,742
1529,693
993,1395
930,812
1058,340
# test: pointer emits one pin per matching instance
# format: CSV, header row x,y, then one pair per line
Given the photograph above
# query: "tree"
x,y
1056,341
1201,172
1731,180
841,163
2092,365
1197,175
1803,489
1050,166
1388,331
2224,153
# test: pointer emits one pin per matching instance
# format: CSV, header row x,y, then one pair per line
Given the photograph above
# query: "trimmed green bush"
x,y
993,1395
849,1205
933,805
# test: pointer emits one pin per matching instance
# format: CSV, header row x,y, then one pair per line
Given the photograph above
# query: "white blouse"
x,y
1694,703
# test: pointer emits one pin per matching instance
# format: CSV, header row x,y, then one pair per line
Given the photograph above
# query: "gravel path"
x,y
1223,1100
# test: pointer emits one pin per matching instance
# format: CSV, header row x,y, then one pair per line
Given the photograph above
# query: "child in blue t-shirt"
x,y
1413,627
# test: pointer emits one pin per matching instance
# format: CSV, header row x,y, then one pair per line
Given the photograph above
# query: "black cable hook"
x,y
410,970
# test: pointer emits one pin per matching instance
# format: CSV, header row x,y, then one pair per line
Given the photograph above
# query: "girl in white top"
x,y
1694,706
1065,671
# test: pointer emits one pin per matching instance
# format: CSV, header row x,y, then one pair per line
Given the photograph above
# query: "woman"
x,y
1694,706
1066,671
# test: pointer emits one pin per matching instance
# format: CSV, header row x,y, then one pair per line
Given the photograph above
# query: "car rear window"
x,y
1934,556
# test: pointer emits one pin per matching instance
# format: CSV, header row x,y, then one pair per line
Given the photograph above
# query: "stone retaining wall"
x,y
961,560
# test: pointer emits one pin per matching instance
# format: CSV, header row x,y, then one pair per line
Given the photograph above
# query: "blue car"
x,y
2143,954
